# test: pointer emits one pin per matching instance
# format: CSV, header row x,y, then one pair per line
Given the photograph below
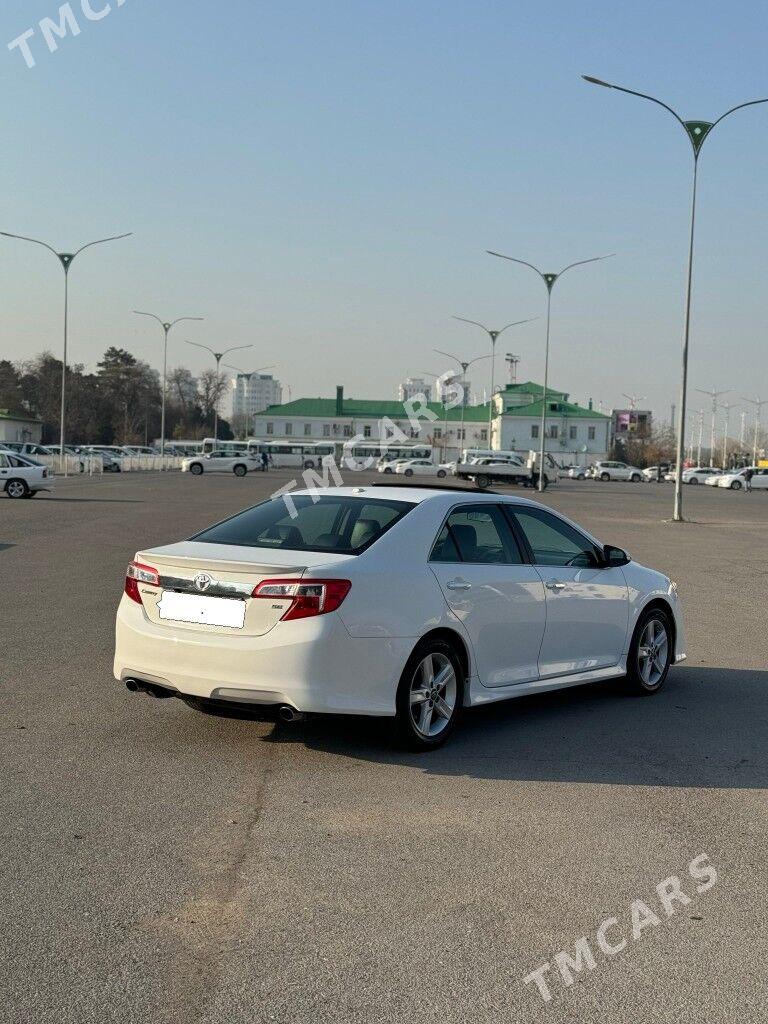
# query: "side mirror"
x,y
613,557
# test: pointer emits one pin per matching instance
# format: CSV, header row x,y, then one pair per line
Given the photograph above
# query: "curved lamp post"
x,y
66,259
493,335
549,281
464,367
218,356
697,132
167,329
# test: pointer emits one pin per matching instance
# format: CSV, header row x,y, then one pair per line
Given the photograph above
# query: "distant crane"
x,y
512,361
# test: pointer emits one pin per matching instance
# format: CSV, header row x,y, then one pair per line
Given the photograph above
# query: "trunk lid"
x,y
226,576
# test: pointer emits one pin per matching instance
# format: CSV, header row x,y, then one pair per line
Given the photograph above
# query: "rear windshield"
x,y
342,525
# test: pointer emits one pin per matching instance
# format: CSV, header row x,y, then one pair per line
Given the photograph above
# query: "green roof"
x,y
530,387
377,409
5,415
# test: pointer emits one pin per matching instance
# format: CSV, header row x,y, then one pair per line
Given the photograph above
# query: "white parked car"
x,y
401,602
21,477
388,465
577,472
221,462
615,471
713,480
700,474
735,481
420,467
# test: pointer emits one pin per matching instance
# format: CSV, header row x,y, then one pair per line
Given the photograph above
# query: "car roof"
x,y
415,495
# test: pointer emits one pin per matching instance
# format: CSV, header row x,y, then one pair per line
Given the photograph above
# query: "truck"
x,y
484,472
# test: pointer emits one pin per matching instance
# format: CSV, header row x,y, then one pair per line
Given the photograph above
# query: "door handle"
x,y
554,585
458,585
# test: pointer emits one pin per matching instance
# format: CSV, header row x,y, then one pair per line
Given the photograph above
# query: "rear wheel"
x,y
387,469
309,464
196,469
693,480
636,478
650,653
441,473
605,477
240,470
408,472
16,489
430,696
736,485
483,482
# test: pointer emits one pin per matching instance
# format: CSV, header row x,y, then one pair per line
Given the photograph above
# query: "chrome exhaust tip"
x,y
288,714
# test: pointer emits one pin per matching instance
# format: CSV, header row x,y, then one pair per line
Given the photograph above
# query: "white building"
x,y
253,392
19,428
574,433
412,387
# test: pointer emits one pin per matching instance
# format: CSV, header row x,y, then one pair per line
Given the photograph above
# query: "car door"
x,y
587,605
498,598
760,479
5,471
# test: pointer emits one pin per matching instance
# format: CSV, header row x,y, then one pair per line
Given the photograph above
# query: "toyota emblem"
x,y
203,581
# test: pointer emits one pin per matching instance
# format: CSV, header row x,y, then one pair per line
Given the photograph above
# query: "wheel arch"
x,y
454,640
660,604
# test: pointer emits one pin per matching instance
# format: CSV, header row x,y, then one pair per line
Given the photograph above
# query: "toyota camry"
x,y
403,602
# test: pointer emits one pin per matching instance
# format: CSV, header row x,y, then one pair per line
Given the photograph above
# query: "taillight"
x,y
137,573
307,597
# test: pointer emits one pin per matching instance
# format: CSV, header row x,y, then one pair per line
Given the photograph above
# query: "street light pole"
x,y
697,132
549,282
464,367
218,356
714,395
758,404
726,406
493,335
166,330
66,259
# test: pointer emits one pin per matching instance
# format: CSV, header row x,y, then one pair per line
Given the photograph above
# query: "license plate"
x,y
209,611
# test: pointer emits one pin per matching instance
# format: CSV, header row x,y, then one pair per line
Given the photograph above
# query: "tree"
x,y
132,390
11,397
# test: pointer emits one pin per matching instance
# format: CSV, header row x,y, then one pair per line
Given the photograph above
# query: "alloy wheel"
x,y
16,489
653,653
433,695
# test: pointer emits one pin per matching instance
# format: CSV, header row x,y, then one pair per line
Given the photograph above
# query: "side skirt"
x,y
479,694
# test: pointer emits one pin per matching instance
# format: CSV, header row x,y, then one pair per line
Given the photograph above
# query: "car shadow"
x,y
708,727
101,501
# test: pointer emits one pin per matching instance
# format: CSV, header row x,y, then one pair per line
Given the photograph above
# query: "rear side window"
x,y
476,534
341,525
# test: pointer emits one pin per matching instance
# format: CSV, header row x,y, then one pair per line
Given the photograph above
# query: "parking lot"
x,y
162,865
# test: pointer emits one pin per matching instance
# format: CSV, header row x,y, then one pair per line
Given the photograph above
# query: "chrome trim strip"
x,y
216,589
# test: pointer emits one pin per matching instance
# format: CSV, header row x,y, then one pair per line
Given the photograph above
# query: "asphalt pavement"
x,y
160,865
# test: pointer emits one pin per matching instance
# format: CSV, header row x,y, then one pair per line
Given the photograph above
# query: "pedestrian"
x,y
264,462
748,474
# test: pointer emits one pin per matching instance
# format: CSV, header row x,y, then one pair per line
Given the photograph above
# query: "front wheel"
x,y
430,696
408,472
388,469
736,485
693,480
636,478
309,464
196,469
441,473
16,489
483,482
240,470
605,477
650,653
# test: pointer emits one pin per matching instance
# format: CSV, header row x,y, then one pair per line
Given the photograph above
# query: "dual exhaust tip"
x,y
285,712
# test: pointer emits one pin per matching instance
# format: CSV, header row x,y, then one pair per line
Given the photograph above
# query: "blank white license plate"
x,y
210,611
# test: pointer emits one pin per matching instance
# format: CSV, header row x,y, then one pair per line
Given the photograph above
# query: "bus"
x,y
210,444
292,454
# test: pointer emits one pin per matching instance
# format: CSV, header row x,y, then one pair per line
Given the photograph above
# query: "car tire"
x,y
240,470
408,472
646,674
309,464
605,477
736,485
441,474
581,477
693,480
387,469
17,489
426,724
483,482
636,478
196,469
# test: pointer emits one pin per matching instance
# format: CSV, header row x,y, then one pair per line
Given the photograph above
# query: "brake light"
x,y
137,573
307,597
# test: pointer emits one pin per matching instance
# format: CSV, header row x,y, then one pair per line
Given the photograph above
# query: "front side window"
x,y
554,542
341,525
476,534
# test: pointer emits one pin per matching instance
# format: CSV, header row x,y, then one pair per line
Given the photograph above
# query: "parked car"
x,y
388,465
652,473
26,448
111,463
615,471
576,472
735,480
221,462
21,477
419,467
403,602
700,474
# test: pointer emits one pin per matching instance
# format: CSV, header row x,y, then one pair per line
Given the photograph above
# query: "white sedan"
x,y
701,474
221,462
21,477
735,481
399,602
420,467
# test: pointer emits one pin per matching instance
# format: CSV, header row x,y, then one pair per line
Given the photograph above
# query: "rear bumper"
x,y
312,664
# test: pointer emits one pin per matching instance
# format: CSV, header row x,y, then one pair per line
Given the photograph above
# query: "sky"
x,y
322,181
